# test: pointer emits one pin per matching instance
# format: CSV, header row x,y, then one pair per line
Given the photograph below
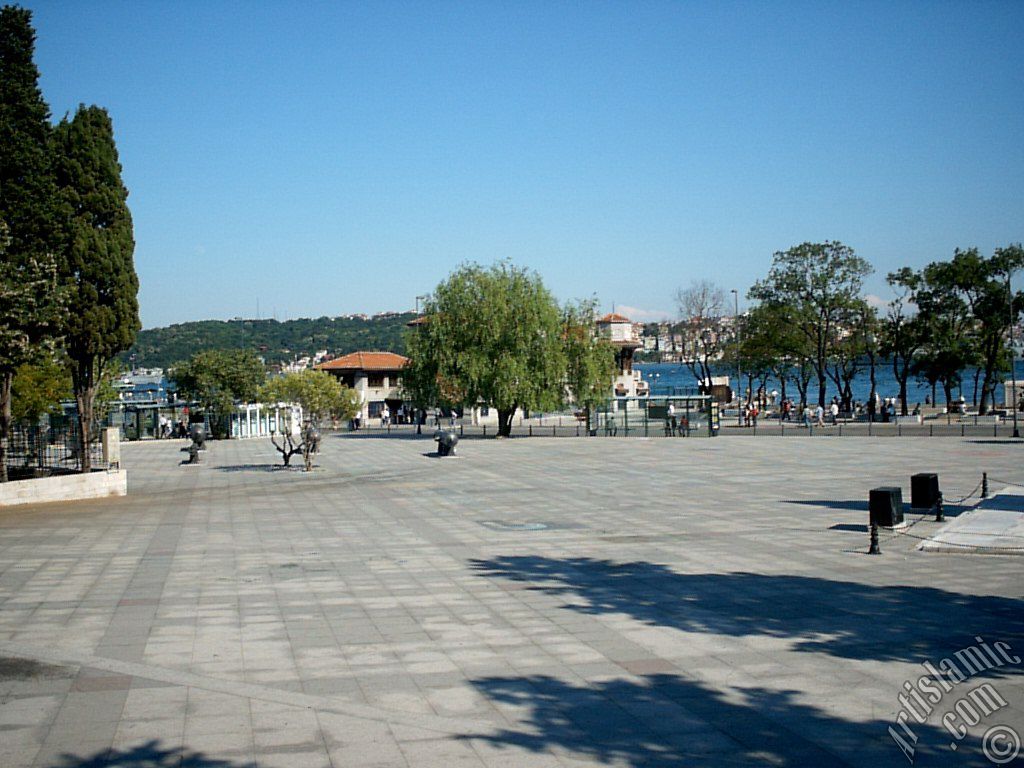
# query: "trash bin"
x,y
886,506
924,490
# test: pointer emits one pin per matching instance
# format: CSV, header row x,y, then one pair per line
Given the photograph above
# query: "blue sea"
x,y
665,377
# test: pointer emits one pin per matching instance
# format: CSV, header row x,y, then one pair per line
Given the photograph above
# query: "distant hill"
x,y
275,341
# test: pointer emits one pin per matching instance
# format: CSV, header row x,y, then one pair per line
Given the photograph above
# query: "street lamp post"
x,y
1013,360
739,373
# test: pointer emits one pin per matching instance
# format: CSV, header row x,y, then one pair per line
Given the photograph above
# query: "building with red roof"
x,y
376,376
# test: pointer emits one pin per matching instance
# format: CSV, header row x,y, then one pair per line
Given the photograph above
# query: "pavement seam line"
x,y
445,725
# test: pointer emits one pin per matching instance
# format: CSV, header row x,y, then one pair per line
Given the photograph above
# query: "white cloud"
x,y
876,301
638,315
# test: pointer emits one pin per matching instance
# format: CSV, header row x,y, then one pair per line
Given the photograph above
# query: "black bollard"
x,y
939,517
874,541
984,485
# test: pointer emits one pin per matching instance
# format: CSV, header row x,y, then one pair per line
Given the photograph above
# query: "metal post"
x,y
874,550
984,485
939,517
739,373
1013,362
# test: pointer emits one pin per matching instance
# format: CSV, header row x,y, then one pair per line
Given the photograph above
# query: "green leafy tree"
x,y
29,301
97,262
903,333
321,396
945,330
850,351
769,341
979,287
590,360
216,379
493,336
39,388
818,285
27,188
31,305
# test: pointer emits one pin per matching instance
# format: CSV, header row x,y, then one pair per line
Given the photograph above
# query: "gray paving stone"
x,y
705,601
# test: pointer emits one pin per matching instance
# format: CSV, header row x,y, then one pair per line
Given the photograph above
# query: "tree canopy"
x,y
320,394
97,247
30,303
493,336
818,285
216,379
590,359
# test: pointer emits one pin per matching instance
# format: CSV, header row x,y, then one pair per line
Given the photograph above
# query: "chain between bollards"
x,y
939,517
874,541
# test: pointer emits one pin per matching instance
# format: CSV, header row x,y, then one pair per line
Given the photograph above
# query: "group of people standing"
x,y
168,428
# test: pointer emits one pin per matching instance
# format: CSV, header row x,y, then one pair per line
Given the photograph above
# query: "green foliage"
x,y
38,390
31,306
99,240
818,285
320,394
27,188
216,379
28,224
274,341
590,360
493,336
965,307
97,250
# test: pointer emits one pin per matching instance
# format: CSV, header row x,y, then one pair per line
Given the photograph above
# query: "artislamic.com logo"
x,y
919,700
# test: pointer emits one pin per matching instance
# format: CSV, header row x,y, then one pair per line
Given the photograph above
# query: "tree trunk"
x,y
874,391
903,396
505,421
822,387
84,400
988,390
5,421
947,388
974,394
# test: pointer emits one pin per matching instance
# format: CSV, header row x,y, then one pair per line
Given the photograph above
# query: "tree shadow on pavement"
x,y
838,618
666,721
148,755
858,505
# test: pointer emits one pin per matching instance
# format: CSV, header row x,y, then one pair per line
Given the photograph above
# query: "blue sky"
x,y
326,158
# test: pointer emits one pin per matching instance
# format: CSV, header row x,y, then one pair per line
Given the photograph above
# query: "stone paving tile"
x,y
690,601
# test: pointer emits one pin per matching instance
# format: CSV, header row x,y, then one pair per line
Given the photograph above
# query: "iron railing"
x,y
34,451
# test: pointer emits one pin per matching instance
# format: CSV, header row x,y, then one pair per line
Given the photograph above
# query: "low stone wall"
x,y
42,490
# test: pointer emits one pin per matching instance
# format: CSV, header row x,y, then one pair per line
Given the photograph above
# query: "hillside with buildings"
x,y
278,343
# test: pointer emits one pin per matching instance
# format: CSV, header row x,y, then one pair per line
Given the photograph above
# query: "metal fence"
x,y
617,425
36,451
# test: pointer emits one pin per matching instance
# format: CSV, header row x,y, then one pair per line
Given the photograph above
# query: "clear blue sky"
x,y
329,157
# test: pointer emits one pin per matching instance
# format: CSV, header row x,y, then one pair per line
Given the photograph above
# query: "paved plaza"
x,y
531,602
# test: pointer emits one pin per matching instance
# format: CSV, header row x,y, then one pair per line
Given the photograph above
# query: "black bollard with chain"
x,y
984,485
874,541
939,517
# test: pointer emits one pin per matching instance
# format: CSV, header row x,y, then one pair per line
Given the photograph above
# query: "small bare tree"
x,y
701,308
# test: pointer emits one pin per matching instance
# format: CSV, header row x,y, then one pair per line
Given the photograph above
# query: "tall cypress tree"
x,y
103,316
28,223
